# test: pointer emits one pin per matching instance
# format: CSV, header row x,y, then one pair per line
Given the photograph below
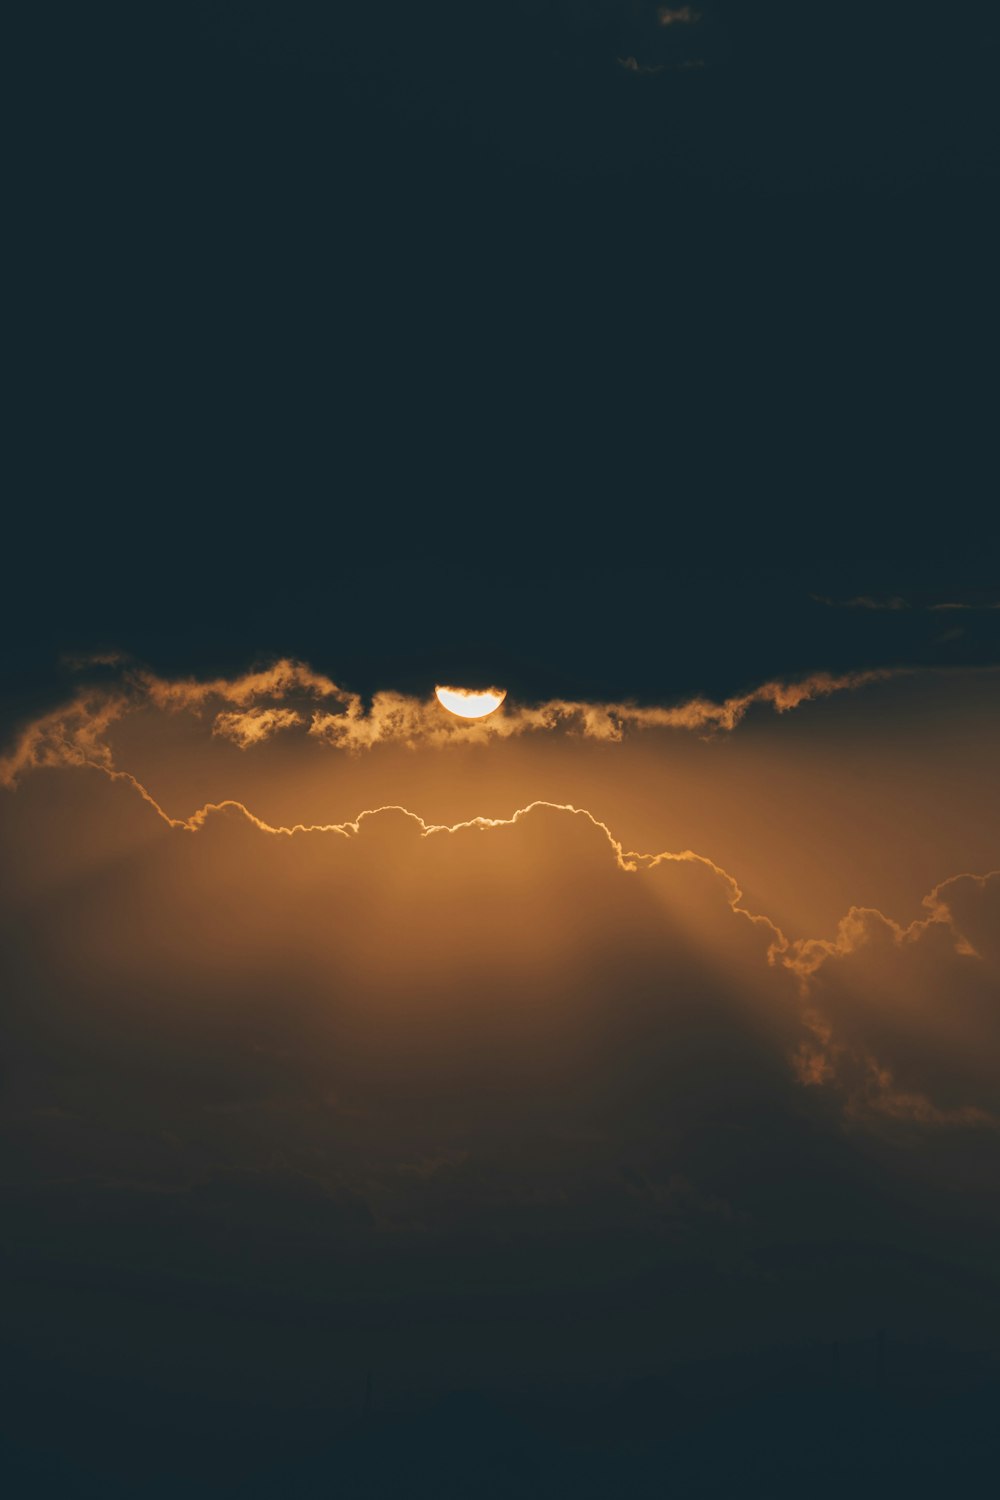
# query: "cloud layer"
x,y
253,707
898,1021
465,1083
893,1019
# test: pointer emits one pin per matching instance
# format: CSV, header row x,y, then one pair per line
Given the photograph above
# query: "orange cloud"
x,y
895,603
258,704
76,732
72,735
282,680
252,725
901,979
394,717
631,65
894,1016
900,1021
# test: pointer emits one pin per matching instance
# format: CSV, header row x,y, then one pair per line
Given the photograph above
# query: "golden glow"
x,y
469,703
504,842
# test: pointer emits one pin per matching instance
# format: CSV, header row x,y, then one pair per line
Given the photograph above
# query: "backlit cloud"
x,y
906,1018
677,15
251,708
415,1062
901,1021
898,1020
249,726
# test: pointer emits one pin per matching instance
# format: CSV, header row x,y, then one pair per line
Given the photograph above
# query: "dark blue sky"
x,y
403,335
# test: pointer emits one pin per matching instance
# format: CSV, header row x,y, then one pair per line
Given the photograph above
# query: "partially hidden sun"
x,y
470,703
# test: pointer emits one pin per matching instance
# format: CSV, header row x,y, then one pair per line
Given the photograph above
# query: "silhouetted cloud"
x,y
677,15
632,66
873,973
906,1019
865,601
973,608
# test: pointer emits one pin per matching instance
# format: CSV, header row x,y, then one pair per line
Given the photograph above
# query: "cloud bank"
x,y
467,1080
898,1021
941,967
252,708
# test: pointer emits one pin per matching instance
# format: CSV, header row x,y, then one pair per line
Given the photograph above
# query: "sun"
x,y
470,703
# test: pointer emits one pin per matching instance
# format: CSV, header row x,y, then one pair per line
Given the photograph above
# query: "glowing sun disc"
x,y
470,703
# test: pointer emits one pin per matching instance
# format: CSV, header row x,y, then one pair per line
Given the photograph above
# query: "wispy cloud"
x,y
631,65
249,726
894,603
251,708
678,15
901,1016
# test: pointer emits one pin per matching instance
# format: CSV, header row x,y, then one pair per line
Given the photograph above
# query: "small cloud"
x,y
251,726
864,601
973,607
895,602
678,15
902,1019
632,66
80,661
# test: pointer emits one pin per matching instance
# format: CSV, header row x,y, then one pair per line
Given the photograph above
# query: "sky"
x,y
602,1095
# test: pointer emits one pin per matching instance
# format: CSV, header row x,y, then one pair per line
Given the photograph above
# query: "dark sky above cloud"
x,y
338,331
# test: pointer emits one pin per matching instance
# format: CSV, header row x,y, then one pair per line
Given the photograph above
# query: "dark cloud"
x,y
894,602
462,997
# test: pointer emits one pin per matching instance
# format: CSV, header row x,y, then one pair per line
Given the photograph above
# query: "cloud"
x,y
632,66
978,608
80,661
74,734
252,725
464,994
894,603
865,995
865,601
279,681
256,705
900,1021
394,717
677,15
424,1074
905,1019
